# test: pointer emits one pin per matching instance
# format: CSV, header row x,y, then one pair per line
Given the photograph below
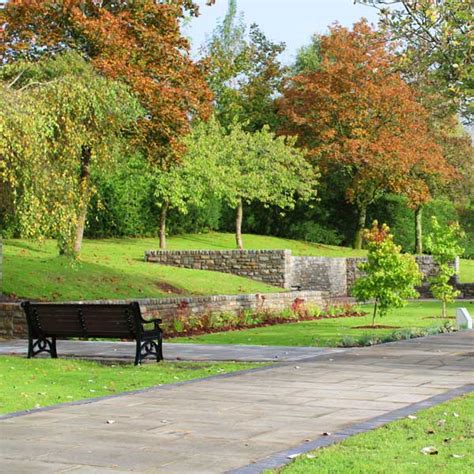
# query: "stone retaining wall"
x,y
268,266
13,321
322,273
280,268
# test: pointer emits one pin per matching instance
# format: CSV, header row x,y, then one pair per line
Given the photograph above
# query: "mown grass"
x,y
115,268
396,447
466,271
108,269
34,383
330,332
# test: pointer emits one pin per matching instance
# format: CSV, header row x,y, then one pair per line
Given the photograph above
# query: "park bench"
x,y
48,321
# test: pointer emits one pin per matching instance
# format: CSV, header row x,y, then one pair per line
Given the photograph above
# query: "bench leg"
x,y
159,352
37,346
149,347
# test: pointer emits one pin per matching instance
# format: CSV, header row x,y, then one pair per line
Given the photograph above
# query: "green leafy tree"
x,y
443,244
389,277
435,38
64,120
241,167
244,72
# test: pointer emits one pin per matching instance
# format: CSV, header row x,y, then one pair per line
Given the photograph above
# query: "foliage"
x,y
186,324
436,42
139,43
361,121
242,167
62,381
443,244
54,111
389,277
244,72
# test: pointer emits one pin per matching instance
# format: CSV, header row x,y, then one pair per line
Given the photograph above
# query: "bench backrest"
x,y
84,320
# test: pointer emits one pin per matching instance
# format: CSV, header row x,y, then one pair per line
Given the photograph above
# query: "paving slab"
x,y
125,351
242,422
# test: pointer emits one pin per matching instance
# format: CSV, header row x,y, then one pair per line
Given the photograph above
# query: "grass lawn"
x,y
108,269
466,270
329,332
34,383
114,268
395,447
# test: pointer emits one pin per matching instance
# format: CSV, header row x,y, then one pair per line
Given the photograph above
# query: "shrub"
x,y
443,244
390,277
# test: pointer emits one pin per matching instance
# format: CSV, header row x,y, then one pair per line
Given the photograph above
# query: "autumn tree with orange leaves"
x,y
138,43
361,121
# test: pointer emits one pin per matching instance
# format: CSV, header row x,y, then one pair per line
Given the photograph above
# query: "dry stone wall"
x,y
267,266
323,273
13,321
279,268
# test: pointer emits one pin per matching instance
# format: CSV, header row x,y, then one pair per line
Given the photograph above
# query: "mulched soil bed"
x,y
377,326
439,317
269,322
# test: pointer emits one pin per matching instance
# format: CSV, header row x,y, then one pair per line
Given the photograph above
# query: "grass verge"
x,y
108,269
331,332
35,383
397,447
114,268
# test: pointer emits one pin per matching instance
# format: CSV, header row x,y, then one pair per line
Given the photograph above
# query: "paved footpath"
x,y
125,351
228,422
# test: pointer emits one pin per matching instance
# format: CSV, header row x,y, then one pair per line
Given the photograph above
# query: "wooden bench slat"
x,y
124,321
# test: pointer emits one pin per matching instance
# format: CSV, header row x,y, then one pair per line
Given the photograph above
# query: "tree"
x,y
244,72
76,120
443,244
241,167
360,120
389,276
435,38
138,43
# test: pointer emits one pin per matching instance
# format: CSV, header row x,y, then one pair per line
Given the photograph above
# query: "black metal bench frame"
x,y
44,328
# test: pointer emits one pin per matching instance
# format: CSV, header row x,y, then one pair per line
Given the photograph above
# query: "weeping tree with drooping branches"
x,y
66,121
137,43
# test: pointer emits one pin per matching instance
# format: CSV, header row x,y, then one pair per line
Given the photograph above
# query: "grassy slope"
x,y
328,332
395,448
114,268
108,269
34,383
466,270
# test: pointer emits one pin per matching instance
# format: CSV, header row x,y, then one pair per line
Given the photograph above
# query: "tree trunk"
x,y
360,227
164,210
445,315
84,198
374,314
238,225
419,230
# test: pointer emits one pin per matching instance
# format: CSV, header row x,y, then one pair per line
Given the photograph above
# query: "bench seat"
x,y
49,321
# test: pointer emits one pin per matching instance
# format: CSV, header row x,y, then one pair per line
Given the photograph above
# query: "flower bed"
x,y
185,324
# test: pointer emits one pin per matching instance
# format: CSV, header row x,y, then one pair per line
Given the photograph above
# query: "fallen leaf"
x,y
455,415
293,456
458,456
441,422
429,450
312,456
110,422
411,417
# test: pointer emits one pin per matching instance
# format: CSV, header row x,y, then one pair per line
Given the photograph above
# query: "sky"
x,y
290,21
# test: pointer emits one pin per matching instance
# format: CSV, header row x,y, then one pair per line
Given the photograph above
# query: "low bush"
x,y
184,323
